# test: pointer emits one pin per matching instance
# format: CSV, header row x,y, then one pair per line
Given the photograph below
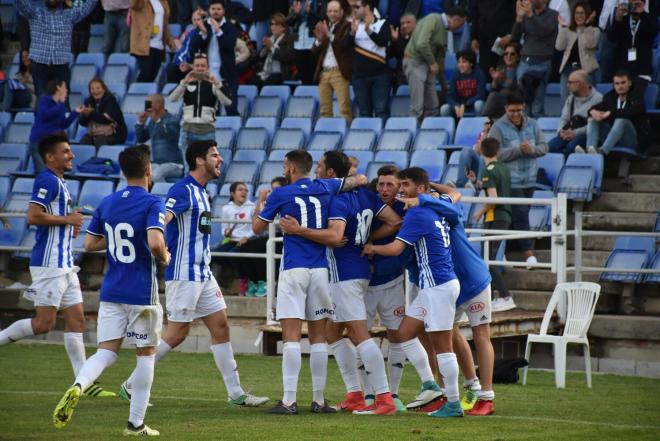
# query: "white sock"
x,y
224,360
143,377
375,365
472,384
94,367
396,358
291,362
75,349
16,331
365,384
161,350
488,395
417,356
448,367
346,358
318,364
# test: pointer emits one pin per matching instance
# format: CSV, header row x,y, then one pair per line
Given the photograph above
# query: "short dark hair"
x,y
387,170
514,97
416,174
213,2
301,159
52,85
338,161
468,56
197,149
457,11
134,161
373,185
279,180
48,143
233,187
622,73
490,147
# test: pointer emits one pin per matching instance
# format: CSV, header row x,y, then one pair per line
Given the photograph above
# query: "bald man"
x,y
157,124
572,129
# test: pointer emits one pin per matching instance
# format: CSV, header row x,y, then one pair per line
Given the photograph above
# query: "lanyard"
x,y
634,28
620,104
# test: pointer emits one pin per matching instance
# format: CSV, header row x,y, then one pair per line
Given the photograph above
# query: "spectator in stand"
x,y
536,24
163,131
572,130
302,20
620,119
102,116
460,37
634,32
399,38
503,81
424,59
115,28
185,8
371,76
49,24
522,142
150,34
467,87
578,41
50,118
201,93
82,29
491,19
277,54
245,51
19,91
218,41
332,48
181,63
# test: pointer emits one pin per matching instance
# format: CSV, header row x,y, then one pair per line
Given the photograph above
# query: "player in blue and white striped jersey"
x,y
191,290
55,283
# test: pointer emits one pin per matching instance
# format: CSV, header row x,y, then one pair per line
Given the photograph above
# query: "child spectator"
x,y
466,88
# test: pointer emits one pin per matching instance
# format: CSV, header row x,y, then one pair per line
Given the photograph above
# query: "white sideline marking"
x,y
505,417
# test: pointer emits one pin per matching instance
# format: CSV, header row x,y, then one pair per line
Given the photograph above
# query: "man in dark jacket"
x,y
620,119
491,19
218,42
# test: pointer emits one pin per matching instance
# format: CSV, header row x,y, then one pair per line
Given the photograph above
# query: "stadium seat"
x,y
9,164
123,59
239,171
603,88
18,133
430,139
96,44
216,206
252,138
300,107
225,139
161,189
596,162
655,265
269,124
118,90
359,139
24,117
269,171
288,139
11,237
175,30
282,92
403,90
630,252
468,130
73,187
311,91
232,122
551,163
577,181
400,106
363,157
394,140
539,215
5,119
20,151
373,124
277,155
29,240
651,96
23,185
399,158
548,126
266,106
97,59
470,209
372,169
552,104
257,156
5,188
116,73
76,99
431,161
212,189
331,125
133,103
92,193
450,67
226,155
249,91
110,152
402,123
324,141
451,170
130,120
82,74
143,88
82,153
303,124
445,123
316,157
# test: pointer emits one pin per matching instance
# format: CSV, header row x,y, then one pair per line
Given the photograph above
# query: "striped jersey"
x,y
53,243
124,218
357,209
189,233
429,234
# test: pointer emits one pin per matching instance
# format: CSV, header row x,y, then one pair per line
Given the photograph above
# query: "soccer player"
x,y
434,308
191,291
129,225
349,226
302,289
55,284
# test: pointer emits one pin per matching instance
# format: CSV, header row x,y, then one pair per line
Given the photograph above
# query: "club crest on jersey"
x,y
170,203
42,193
477,307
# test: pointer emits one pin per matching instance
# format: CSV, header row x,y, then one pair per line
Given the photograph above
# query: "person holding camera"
x,y
572,129
201,92
163,129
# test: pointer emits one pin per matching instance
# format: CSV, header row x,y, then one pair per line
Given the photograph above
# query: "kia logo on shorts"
x,y
477,307
399,312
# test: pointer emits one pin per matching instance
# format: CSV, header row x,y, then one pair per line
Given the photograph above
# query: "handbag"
x,y
575,121
99,129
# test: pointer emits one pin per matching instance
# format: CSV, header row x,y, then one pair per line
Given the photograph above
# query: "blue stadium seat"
x,y
548,126
17,202
110,152
470,209
82,74
252,138
232,122
316,157
96,30
394,140
5,187
552,105
312,91
433,161
630,252
133,103
651,96
96,59
226,155
450,67
225,138
257,156
15,151
451,170
400,106
596,162
331,125
270,124
130,119
212,189
445,123
282,92
11,237
430,139
300,107
123,59
303,124
372,168
29,240
24,117
92,193
551,163
577,181
96,44
175,30
277,155
403,90
18,133
539,215
5,119
373,124
269,171
143,88
239,171
655,264
364,158
161,189
23,185
118,90
468,130
168,88
76,99
116,74
324,141
288,139
216,206
266,106
603,88
249,91
399,158
74,190
359,139
402,123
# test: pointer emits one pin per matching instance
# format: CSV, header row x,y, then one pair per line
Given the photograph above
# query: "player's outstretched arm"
x,y
445,189
156,241
333,236
94,243
353,182
391,224
393,248
37,215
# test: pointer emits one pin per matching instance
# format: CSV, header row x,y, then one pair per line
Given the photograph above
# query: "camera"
x,y
147,106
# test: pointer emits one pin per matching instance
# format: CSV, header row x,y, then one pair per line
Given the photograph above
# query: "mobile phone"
x,y
200,75
147,106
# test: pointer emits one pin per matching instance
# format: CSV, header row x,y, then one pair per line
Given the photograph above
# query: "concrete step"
x,y
625,202
542,280
625,327
638,184
606,220
648,166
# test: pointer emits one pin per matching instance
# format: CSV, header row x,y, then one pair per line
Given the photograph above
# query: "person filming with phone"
x,y
157,124
201,91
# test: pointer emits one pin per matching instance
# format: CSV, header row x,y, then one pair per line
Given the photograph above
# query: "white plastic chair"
x,y
581,299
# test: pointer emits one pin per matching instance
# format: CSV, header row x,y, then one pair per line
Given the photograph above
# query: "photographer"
x,y
201,91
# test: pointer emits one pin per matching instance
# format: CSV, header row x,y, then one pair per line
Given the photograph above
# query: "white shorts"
x,y
303,293
61,291
389,301
348,300
187,301
436,306
478,309
139,324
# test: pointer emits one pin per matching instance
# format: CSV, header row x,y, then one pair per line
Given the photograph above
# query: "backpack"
x,y
101,166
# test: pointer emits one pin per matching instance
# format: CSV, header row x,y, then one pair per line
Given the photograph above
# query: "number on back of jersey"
x,y
363,226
